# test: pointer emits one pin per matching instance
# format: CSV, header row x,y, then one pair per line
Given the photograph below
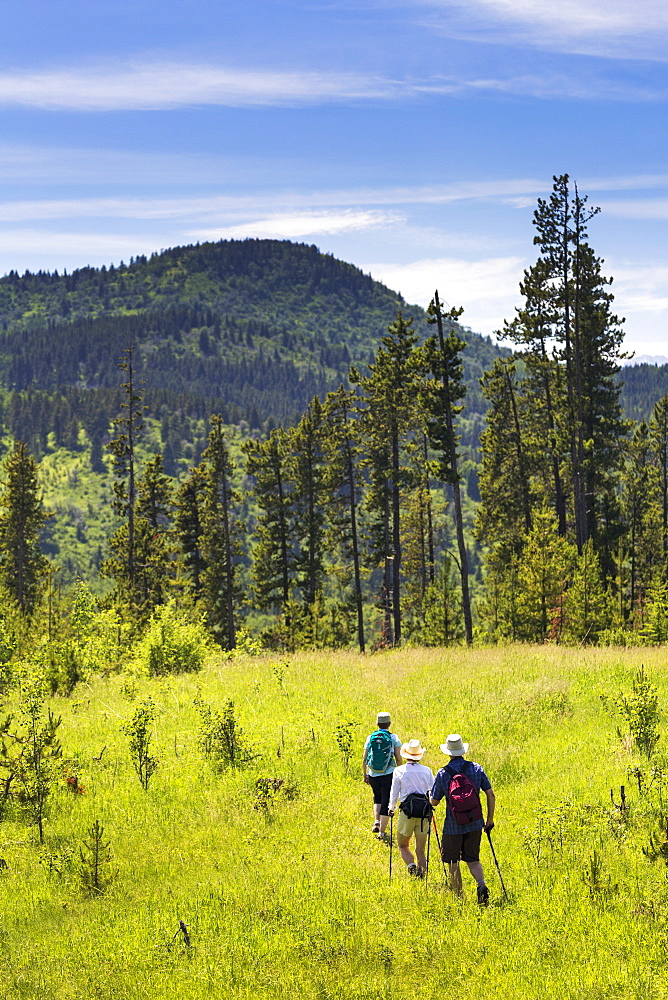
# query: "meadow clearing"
x,y
286,893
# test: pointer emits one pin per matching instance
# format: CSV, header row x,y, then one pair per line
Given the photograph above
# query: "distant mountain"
x,y
251,329
646,359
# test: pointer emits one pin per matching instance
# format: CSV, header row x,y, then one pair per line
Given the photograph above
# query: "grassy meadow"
x,y
288,894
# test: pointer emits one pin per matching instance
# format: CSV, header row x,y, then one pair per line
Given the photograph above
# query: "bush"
x,y
171,646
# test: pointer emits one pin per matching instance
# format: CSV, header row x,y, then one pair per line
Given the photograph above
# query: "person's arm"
x,y
364,770
491,803
435,791
395,792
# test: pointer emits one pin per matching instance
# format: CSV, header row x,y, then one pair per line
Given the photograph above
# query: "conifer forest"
x,y
260,443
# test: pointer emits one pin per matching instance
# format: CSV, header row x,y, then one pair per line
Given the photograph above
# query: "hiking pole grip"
x,y
489,837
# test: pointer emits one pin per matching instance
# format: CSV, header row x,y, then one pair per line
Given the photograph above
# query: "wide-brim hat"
x,y
454,746
413,750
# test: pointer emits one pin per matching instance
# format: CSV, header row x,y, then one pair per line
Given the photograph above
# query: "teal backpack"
x,y
380,752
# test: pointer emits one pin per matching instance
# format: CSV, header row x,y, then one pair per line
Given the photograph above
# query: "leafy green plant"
x,y
221,740
640,710
171,646
62,665
140,732
344,734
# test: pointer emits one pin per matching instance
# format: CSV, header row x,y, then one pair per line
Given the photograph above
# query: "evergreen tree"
x,y
123,447
544,573
504,516
390,395
587,607
343,482
658,432
152,562
274,553
442,357
220,538
23,566
588,337
189,527
307,471
642,517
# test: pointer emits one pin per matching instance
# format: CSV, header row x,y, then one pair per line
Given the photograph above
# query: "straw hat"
x,y
413,750
383,718
454,747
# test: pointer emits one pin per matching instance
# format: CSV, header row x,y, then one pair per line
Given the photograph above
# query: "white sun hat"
x,y
454,746
413,750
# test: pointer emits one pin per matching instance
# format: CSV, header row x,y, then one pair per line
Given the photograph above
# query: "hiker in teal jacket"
x,y
382,749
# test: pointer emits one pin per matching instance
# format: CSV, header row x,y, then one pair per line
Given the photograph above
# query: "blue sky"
x,y
410,137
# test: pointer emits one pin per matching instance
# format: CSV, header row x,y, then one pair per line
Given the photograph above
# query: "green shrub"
x,y
220,739
171,646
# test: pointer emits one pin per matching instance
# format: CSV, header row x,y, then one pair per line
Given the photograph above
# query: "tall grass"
x,y
292,897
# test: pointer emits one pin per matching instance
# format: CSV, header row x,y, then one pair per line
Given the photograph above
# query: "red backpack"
x,y
463,798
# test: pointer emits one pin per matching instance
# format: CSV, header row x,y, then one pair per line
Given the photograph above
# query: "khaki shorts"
x,y
408,825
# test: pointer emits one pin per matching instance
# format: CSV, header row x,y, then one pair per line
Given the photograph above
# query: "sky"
x,y
409,137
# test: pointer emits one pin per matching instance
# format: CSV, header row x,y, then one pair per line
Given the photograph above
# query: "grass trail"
x,y
294,899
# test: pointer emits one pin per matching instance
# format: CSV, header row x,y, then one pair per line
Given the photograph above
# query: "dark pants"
x,y
382,786
461,846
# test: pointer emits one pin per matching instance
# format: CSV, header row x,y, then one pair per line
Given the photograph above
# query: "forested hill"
x,y
642,386
251,329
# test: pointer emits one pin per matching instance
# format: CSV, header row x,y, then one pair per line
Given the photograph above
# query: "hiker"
x,y
461,782
380,757
411,785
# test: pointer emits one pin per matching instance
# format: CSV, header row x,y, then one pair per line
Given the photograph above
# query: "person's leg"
x,y
476,870
420,850
455,877
374,784
404,849
385,787
471,855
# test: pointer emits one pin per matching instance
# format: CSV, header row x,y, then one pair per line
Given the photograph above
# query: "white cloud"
x,y
169,85
295,226
487,289
45,246
641,290
615,28
647,208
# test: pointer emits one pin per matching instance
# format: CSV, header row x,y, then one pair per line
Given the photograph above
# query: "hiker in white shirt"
x,y
411,784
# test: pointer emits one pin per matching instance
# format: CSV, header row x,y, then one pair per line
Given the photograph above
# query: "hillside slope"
x,y
252,329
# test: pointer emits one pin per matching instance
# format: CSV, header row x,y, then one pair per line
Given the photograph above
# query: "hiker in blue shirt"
x,y
460,783
381,755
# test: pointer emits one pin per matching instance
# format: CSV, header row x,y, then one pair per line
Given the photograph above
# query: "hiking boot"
x,y
421,873
413,870
375,828
483,895
384,838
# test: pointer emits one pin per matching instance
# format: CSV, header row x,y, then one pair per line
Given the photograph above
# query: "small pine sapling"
x,y
139,730
94,859
36,765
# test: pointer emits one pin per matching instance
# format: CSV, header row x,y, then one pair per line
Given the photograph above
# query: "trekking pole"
x,y
391,842
426,874
489,837
438,841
